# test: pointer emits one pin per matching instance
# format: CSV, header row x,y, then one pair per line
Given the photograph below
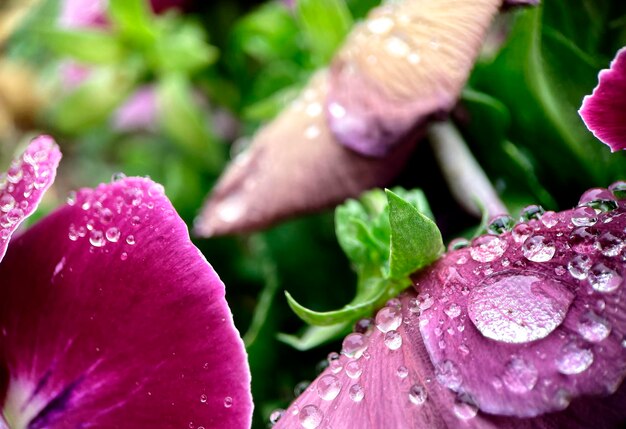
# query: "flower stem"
x,y
467,180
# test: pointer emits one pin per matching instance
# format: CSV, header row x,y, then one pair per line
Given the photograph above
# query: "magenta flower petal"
x,y
23,186
83,13
525,322
405,63
604,111
384,379
110,317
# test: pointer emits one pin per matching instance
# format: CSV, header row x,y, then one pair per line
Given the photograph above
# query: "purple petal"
x,y
527,321
384,379
407,62
23,185
139,111
293,166
83,13
604,111
110,317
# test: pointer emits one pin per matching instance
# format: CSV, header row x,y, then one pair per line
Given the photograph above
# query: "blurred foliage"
x,y
220,69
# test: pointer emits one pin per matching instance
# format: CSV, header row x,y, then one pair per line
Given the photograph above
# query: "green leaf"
x,y
89,46
415,239
314,336
133,20
186,123
324,24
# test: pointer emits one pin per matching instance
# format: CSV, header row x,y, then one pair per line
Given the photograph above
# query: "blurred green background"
x,y
204,76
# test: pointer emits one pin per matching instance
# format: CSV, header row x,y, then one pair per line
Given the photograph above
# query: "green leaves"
x,y
80,45
324,23
387,236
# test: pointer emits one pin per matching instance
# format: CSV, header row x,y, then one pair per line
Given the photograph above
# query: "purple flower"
x,y
109,316
604,111
519,330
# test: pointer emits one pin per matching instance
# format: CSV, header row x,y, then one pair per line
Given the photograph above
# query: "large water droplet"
x,y
356,392
603,278
328,387
518,308
417,394
593,328
549,219
584,216
388,318
538,249
531,212
501,224
579,266
393,340
354,345
583,240
353,369
310,417
519,375
96,238
573,359
618,189
487,248
610,244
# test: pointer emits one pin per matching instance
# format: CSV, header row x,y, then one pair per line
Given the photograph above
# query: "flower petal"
x,y
384,379
405,63
110,317
527,321
23,186
294,166
604,111
139,112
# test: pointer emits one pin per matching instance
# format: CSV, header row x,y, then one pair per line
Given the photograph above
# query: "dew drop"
x,y
380,25
363,326
538,249
501,224
402,372
521,232
603,279
130,240
609,244
124,256
519,375
388,319
353,369
393,340
7,202
487,248
354,345
117,177
203,398
276,415
453,310
458,243
310,417
583,240
311,132
113,234
531,212
465,409
334,362
584,216
618,189
593,328
425,301
549,219
328,387
518,308
417,394
573,359
96,238
356,392
448,375
228,402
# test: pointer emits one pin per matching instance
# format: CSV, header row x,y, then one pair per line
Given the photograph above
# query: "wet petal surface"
x,y
604,111
540,323
293,166
110,317
405,63
22,187
385,379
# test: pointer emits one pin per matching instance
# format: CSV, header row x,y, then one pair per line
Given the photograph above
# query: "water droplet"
x,y
521,232
124,256
448,375
609,244
593,328
573,359
313,109
487,248
501,224
310,417
402,372
603,278
538,249
583,240
301,387
465,409
7,202
363,326
388,319
602,205
117,176
618,189
353,369
96,238
393,340
130,240
531,212
549,219
518,308
228,402
113,234
425,301
336,110
203,398
356,392
311,132
584,216
453,310
520,376
328,387
354,345
276,415
458,243
381,25
417,394
397,47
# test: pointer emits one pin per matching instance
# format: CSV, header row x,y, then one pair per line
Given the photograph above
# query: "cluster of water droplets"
x,y
113,214
22,185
